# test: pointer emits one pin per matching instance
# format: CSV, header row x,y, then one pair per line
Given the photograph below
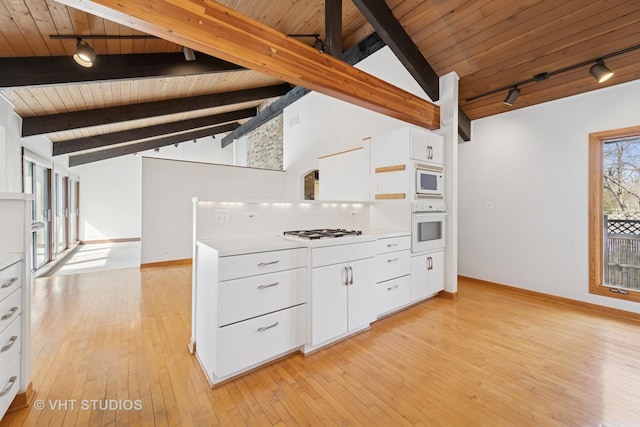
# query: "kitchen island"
x,y
259,299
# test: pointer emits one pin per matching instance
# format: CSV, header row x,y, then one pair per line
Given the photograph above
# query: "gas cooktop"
x,y
322,233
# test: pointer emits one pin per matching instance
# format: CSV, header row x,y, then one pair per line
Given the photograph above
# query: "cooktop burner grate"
x,y
323,233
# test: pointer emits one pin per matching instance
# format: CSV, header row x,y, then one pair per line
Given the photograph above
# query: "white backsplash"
x,y
248,219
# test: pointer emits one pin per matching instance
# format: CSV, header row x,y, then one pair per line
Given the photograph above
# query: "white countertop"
x,y
247,245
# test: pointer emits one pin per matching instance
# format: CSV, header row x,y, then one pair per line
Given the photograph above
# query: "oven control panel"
x,y
428,206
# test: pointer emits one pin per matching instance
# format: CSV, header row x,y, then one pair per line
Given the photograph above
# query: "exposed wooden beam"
x,y
40,70
104,140
393,33
65,121
222,32
94,156
333,27
464,125
352,56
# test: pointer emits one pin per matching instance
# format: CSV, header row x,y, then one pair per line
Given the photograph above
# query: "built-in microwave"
x,y
429,181
428,231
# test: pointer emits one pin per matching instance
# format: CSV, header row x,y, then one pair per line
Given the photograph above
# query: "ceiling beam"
x,y
79,119
94,156
219,31
352,56
40,70
393,33
333,27
104,140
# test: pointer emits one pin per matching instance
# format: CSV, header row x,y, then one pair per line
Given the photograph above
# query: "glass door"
x,y
61,211
73,211
36,182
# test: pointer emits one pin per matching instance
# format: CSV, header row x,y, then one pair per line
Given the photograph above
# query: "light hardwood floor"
x,y
489,358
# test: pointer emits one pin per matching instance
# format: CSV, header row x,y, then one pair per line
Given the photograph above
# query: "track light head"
x,y
512,96
318,44
157,150
189,54
84,55
600,72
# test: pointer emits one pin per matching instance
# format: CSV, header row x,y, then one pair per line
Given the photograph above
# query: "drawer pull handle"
x,y
268,286
9,282
392,260
10,344
264,328
263,264
391,245
10,314
393,287
9,386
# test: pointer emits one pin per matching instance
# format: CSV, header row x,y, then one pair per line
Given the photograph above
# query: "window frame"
x,y
596,222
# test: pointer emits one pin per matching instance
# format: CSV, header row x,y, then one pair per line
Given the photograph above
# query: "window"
x,y
614,213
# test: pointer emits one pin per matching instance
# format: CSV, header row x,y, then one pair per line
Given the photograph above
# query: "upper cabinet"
x,y
397,147
344,176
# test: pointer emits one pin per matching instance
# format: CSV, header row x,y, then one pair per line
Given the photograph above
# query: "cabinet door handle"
x,y
10,314
263,264
430,152
346,276
10,344
269,285
392,260
351,270
430,263
264,328
9,283
9,386
393,287
391,245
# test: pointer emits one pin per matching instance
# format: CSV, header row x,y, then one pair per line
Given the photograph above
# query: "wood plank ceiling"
x,y
490,44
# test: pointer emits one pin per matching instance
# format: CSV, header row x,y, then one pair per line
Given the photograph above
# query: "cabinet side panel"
x,y
207,308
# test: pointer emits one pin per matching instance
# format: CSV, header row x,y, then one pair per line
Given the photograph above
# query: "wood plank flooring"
x,y
489,358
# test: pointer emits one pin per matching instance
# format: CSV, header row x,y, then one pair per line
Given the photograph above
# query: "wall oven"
x,y
428,231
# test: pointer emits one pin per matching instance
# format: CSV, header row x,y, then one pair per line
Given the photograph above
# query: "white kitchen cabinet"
x,y
342,290
15,298
393,269
344,176
398,146
257,313
427,275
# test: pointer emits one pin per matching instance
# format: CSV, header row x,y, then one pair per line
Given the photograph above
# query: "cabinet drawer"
x,y
237,266
10,309
10,279
242,299
393,294
10,342
9,385
245,344
342,253
392,265
392,244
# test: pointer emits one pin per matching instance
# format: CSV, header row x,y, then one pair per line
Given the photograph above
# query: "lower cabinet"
x,y
427,274
342,296
250,342
393,294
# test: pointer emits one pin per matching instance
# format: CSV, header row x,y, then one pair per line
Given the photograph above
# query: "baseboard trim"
x,y
553,298
449,295
175,262
23,400
123,240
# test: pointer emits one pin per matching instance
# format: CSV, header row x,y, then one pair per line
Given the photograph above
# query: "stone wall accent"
x,y
264,144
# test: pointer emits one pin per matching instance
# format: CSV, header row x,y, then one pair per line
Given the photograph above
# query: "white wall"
x,y
167,191
326,125
110,198
532,163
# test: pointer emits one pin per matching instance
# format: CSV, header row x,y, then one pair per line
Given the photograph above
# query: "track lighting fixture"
x,y
600,72
84,55
513,95
176,145
157,150
317,42
189,54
